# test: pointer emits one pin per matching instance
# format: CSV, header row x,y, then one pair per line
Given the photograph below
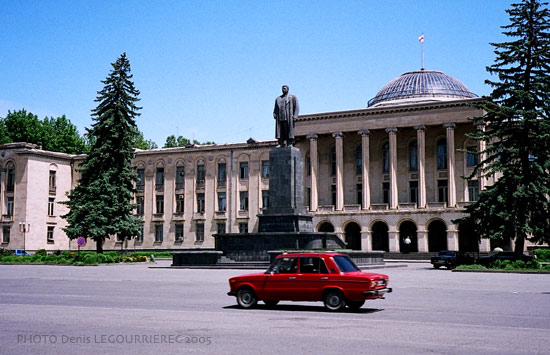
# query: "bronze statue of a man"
x,y
285,112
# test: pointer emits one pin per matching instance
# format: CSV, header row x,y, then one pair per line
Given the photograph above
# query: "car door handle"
x,y
292,278
324,278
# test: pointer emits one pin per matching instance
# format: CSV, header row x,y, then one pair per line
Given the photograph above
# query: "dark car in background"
x,y
451,259
503,255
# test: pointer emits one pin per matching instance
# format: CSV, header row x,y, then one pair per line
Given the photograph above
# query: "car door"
x,y
280,283
311,278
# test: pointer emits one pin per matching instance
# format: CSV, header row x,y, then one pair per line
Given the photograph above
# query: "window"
x,y
159,179
473,190
180,177
179,232
159,233
385,192
140,205
333,161
140,184
442,154
11,178
201,174
413,156
9,206
6,234
200,202
333,194
139,236
308,196
49,235
265,169
180,203
51,206
442,190
359,194
51,181
221,172
284,266
199,236
386,157
221,202
243,228
220,228
308,165
265,198
359,160
312,265
472,157
160,204
413,191
243,170
243,200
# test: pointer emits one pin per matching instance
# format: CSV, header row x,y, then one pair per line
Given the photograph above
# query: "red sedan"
x,y
329,277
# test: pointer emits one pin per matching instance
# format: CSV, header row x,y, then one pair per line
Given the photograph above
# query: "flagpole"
x,y
421,39
422,56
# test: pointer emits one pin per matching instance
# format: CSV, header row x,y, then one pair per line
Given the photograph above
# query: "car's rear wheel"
x,y
355,305
246,298
334,301
271,303
437,266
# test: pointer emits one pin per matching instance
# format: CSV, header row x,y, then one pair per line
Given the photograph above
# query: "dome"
x,y
421,86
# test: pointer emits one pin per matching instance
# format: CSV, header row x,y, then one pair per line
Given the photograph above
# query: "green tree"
x,y
172,142
100,205
142,143
22,126
517,133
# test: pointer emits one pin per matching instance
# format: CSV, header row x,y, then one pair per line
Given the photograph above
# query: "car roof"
x,y
318,253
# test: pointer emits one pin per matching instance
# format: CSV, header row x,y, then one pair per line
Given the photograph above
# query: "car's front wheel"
x,y
246,298
334,301
355,305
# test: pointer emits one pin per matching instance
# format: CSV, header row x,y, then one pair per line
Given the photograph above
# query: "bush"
x,y
50,259
543,254
41,252
89,259
5,252
471,267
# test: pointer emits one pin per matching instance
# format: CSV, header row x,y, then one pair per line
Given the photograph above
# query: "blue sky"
x,y
212,69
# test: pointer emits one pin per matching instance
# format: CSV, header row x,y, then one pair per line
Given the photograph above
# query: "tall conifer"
x,y
517,133
101,203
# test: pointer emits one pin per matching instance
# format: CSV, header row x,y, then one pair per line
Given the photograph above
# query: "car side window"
x,y
285,266
312,265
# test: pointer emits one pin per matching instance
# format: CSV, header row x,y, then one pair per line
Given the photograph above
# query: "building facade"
x,y
386,177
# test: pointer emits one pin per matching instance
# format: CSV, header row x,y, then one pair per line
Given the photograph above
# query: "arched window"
x,y
413,156
442,154
386,157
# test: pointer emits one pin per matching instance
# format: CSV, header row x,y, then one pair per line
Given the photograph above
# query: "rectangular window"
x,y
221,173
180,203
385,192
51,206
265,169
308,196
6,234
413,191
333,194
442,189
308,165
11,180
51,181
265,198
9,206
159,233
333,161
139,236
49,235
201,174
180,177
243,170
473,190
159,204
359,194
243,200
359,161
221,202
159,179
200,202
472,158
179,232
220,228
140,184
199,236
243,228
140,205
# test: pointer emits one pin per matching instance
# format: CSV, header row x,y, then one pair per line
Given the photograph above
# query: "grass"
x,y
73,258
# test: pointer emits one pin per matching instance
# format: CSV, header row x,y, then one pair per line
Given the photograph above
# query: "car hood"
x,y
250,276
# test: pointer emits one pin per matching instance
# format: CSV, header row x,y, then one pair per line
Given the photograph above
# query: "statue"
x,y
285,112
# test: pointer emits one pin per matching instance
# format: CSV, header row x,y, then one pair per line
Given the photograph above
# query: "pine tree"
x,y
101,204
517,133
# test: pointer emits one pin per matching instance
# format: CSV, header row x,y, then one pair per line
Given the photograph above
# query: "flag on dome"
x,y
421,38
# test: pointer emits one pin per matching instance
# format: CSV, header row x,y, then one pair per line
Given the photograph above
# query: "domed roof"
x,y
421,86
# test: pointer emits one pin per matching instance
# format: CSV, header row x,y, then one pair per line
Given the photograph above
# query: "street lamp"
x,y
24,228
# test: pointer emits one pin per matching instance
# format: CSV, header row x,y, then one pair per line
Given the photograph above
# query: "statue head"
x,y
285,89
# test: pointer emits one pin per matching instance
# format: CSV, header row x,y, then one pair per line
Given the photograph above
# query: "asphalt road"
x,y
134,309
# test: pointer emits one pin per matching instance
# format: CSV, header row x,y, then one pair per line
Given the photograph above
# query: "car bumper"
x,y
377,293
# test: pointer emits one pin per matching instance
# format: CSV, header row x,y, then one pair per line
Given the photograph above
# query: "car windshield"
x,y
345,264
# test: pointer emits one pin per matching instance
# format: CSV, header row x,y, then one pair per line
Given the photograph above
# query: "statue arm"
x,y
296,108
276,110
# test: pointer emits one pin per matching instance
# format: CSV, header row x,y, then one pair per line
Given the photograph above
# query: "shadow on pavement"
x,y
303,308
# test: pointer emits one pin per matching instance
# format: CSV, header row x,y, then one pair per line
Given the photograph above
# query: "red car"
x,y
329,277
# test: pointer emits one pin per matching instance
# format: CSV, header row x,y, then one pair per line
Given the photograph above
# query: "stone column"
x,y
314,161
339,137
452,238
422,236
450,126
366,240
392,131
365,157
421,149
393,236
485,245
